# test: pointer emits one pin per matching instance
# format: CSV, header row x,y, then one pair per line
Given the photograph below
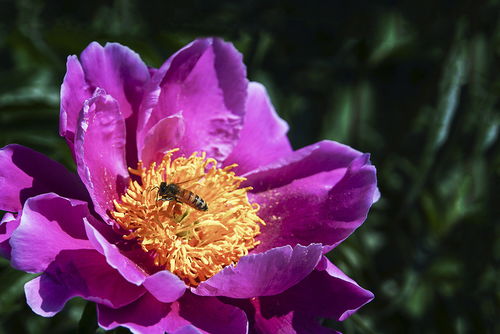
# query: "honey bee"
x,y
173,192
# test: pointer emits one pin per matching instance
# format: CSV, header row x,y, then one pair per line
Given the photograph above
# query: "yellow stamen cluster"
x,y
191,243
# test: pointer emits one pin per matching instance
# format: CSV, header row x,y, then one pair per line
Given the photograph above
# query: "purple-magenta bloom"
x,y
154,260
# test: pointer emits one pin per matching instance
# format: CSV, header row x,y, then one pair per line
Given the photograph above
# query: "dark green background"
x,y
415,83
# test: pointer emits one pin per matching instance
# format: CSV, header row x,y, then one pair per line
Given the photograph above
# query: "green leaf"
x,y
88,321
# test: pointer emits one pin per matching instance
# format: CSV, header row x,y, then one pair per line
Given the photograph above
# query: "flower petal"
x,y
100,151
206,81
82,273
49,224
128,269
7,226
325,293
118,70
351,198
320,157
74,92
263,274
123,75
51,238
326,200
165,286
25,173
263,137
187,330
45,296
354,295
163,136
290,322
263,321
148,315
211,315
150,113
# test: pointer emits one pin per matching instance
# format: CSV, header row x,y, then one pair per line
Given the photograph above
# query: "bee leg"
x,y
164,199
171,198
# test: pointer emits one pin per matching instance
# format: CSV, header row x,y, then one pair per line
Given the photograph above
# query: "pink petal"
x,y
148,315
290,322
164,285
150,114
123,75
190,329
325,293
8,225
128,268
263,274
319,194
51,239
74,91
49,224
263,137
25,173
100,151
82,273
319,157
45,296
206,82
163,136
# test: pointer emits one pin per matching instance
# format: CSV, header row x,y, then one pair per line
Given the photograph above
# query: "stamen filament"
x,y
192,243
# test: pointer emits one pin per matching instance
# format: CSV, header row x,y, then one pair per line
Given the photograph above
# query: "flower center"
x,y
191,216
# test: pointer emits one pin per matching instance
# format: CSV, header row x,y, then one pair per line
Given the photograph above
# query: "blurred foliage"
x,y
416,84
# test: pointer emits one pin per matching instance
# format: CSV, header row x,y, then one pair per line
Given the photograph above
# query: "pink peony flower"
x,y
234,239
